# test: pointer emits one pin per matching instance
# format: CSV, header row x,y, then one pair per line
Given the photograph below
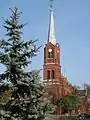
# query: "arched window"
x,y
50,53
53,74
48,74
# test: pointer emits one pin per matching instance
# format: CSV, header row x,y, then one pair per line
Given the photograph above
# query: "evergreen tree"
x,y
25,102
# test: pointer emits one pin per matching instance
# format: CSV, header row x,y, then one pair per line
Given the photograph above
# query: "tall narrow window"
x,y
48,74
44,53
53,74
50,53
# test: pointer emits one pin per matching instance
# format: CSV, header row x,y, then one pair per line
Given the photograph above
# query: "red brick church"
x,y
58,85
52,75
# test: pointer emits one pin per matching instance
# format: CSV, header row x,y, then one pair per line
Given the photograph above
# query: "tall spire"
x,y
51,32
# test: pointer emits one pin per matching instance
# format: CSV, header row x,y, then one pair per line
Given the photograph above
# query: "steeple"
x,y
51,32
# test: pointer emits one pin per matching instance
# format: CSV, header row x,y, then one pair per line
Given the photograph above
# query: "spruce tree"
x,y
25,102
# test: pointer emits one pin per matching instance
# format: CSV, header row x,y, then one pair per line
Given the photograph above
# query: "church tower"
x,y
51,67
56,84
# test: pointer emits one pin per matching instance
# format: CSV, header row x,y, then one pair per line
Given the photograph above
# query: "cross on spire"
x,y
51,32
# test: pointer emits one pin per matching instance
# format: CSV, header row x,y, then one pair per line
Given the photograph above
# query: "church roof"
x,y
80,92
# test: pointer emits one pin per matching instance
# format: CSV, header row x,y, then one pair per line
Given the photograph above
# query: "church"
x,y
52,76
55,82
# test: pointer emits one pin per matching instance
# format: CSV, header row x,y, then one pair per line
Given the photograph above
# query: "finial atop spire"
x,y
51,33
51,1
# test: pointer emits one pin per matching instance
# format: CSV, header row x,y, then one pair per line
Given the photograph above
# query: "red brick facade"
x,y
52,62
52,72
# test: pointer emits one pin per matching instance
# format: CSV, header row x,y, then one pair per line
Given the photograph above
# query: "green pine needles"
x,y
25,102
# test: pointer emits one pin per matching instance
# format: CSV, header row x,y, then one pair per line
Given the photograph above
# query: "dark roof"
x,y
81,92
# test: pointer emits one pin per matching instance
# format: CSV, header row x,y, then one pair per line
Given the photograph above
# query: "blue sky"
x,y
72,26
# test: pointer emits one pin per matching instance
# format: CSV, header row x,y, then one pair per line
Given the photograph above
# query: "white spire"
x,y
51,33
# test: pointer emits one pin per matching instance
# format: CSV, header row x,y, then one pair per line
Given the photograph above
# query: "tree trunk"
x,y
70,111
60,110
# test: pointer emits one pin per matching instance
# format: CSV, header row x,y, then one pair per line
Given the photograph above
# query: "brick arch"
x,y
48,74
53,74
